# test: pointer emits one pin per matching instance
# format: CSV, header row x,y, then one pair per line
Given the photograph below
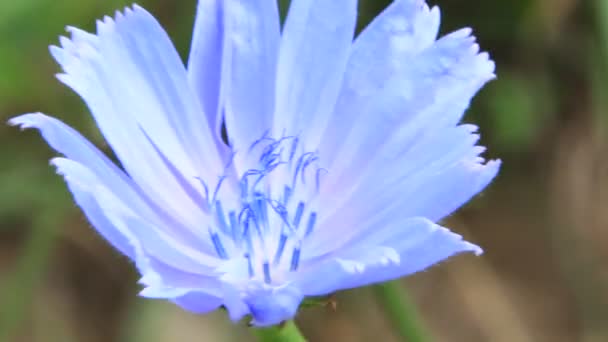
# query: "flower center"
x,y
264,213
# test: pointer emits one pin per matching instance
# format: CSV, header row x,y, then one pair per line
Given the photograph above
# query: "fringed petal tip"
x,y
473,61
458,239
26,121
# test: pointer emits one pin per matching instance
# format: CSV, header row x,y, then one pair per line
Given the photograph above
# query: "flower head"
x,y
341,152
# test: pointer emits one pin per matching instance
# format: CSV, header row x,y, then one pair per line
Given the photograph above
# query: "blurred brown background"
x,y
543,223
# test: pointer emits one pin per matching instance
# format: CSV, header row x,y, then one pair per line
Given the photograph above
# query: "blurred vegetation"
x,y
543,224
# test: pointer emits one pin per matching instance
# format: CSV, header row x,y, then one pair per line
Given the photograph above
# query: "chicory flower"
x,y
339,154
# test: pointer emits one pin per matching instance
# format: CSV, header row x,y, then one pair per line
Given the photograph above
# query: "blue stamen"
x,y
280,248
268,151
217,243
234,226
258,228
312,219
264,137
280,210
298,216
220,218
205,187
297,170
249,265
286,194
259,211
217,188
263,209
295,259
261,176
267,279
247,236
294,146
311,159
244,214
250,219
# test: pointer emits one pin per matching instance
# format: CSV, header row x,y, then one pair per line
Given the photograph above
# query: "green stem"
x,y
400,311
286,332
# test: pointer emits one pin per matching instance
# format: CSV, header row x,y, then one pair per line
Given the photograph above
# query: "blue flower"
x,y
342,152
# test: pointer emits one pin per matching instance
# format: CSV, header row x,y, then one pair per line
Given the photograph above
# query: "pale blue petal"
x,y
249,56
155,59
79,179
233,301
410,154
70,143
137,90
315,45
173,278
154,241
73,145
428,90
391,40
205,62
198,302
97,218
193,292
419,244
430,195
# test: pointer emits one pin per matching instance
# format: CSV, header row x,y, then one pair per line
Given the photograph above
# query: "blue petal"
x,y
251,43
79,179
198,302
176,279
435,196
97,218
205,62
155,242
193,292
391,40
315,45
431,86
267,305
136,88
67,141
233,301
418,242
274,305
429,177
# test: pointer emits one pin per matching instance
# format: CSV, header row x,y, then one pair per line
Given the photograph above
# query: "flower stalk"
x,y
285,332
400,312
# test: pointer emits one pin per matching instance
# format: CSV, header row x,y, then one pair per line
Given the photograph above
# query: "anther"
x,y
312,219
286,194
234,227
247,236
217,243
294,145
298,215
266,267
295,259
280,249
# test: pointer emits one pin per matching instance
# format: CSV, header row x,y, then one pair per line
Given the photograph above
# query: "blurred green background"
x,y
543,223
